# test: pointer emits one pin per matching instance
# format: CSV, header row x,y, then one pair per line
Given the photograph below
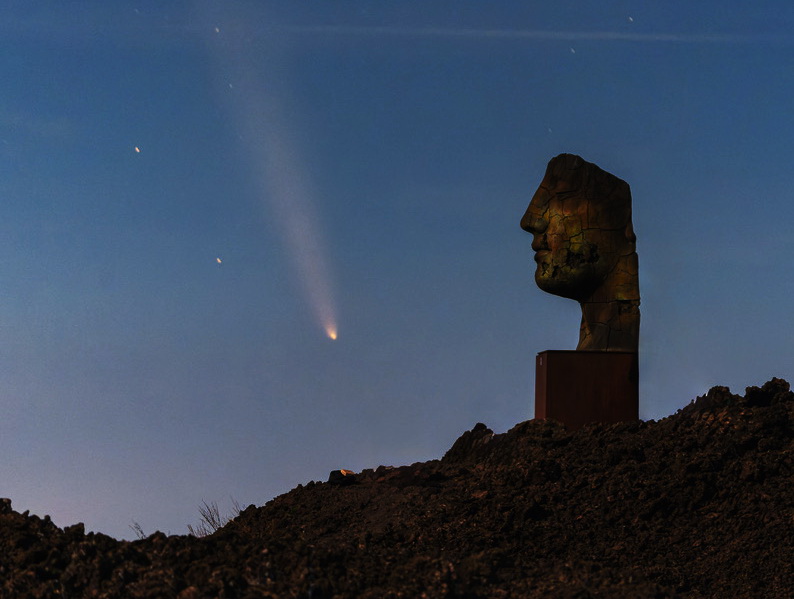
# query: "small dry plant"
x,y
138,530
211,519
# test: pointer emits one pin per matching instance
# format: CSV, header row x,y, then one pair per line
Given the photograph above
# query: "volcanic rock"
x,y
696,505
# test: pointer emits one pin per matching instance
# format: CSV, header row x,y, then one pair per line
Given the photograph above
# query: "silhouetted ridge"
x,y
695,505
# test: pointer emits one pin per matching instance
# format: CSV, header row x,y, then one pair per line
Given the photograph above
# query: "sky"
x,y
197,196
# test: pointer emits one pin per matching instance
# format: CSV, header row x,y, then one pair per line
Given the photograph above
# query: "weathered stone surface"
x,y
580,219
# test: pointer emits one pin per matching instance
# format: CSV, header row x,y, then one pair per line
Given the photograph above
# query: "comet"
x,y
261,110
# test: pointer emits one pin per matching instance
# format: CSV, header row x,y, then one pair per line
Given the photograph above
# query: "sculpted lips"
x,y
541,247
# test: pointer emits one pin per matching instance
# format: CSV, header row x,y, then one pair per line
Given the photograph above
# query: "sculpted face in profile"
x,y
580,220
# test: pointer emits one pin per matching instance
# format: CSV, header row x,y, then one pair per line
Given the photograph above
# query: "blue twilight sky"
x,y
363,166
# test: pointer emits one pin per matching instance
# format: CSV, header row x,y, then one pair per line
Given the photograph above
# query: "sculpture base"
x,y
580,387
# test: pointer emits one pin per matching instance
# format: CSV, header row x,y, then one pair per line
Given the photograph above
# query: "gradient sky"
x,y
362,166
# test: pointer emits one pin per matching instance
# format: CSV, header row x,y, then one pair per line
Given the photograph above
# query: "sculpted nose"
x,y
533,224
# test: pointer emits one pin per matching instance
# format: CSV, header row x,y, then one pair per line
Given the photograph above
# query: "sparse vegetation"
x,y
211,519
138,530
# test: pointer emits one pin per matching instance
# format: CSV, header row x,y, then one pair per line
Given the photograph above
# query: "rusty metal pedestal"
x,y
580,387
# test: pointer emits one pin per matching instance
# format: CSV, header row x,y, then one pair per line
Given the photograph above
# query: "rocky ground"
x,y
699,504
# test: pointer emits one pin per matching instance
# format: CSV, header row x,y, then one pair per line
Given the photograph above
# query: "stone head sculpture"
x,y
580,220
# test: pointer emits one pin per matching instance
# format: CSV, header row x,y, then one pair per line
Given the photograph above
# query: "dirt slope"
x,y
700,504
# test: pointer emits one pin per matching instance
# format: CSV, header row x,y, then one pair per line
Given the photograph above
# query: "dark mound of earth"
x,y
699,504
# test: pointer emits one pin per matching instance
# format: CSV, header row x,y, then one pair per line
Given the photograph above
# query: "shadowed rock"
x,y
696,505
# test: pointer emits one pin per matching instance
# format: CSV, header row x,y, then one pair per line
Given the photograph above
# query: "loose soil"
x,y
699,504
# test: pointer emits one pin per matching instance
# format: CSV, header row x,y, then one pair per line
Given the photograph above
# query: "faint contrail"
x,y
542,35
282,177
